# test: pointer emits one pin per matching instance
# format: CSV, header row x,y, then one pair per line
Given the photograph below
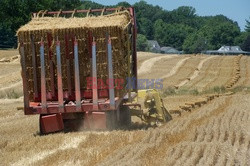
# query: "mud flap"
x,y
51,123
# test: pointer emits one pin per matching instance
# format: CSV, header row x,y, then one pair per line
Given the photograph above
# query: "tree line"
x,y
181,28
184,30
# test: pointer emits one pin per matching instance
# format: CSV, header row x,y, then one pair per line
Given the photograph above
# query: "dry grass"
x,y
175,144
8,53
143,56
163,67
10,76
223,139
149,64
215,134
207,73
47,23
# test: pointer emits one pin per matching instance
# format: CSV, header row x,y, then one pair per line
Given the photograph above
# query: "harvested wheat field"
x,y
208,96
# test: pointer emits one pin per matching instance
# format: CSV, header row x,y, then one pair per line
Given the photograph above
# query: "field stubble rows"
x,y
215,134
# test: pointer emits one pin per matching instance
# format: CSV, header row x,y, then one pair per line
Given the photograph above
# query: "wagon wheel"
x,y
125,117
75,124
111,120
72,124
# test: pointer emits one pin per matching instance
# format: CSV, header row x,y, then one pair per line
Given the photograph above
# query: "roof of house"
x,y
230,48
154,44
227,50
169,50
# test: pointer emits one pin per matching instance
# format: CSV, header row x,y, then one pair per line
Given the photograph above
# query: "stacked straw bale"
x,y
116,25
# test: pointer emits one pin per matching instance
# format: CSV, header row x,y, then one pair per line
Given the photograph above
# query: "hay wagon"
x,y
79,69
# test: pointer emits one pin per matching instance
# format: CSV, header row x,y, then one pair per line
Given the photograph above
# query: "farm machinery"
x,y
80,70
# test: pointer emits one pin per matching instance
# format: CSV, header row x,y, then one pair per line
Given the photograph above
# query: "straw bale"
x,y
116,25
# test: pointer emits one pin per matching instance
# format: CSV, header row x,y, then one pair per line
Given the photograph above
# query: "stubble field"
x,y
215,133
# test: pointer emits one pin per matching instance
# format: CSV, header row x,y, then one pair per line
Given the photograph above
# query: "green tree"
x,y
90,4
246,44
171,34
175,35
241,38
195,43
247,26
147,11
14,14
219,33
12,17
145,26
7,38
224,34
184,15
141,43
179,28
124,4
159,31
185,12
244,39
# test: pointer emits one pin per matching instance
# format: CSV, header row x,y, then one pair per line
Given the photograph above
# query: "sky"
x,y
237,10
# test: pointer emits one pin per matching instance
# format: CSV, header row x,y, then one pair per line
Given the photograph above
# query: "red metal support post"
x,y
134,54
94,77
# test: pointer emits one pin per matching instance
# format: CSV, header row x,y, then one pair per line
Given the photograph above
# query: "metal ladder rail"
x,y
77,77
43,79
59,77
